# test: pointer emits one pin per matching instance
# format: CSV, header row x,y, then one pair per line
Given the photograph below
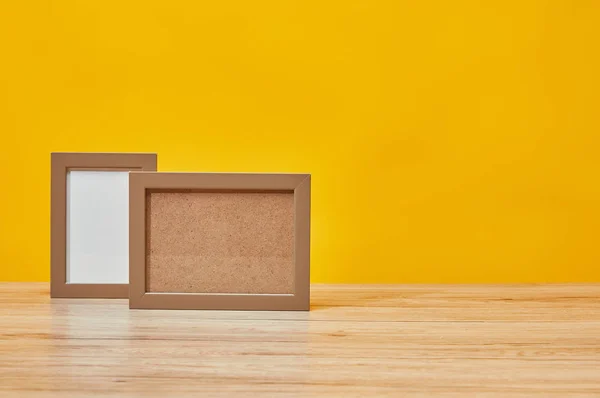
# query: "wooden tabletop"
x,y
357,341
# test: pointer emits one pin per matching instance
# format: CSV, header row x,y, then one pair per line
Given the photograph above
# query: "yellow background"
x,y
449,141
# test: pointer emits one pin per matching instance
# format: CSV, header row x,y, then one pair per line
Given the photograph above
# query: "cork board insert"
x,y
237,242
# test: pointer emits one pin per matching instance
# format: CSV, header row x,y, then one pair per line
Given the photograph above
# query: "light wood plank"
x,y
521,340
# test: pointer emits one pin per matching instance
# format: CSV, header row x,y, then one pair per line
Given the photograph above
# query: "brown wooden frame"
x,y
140,183
61,163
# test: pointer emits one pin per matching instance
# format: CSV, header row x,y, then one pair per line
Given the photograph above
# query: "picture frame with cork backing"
x,y
89,222
219,241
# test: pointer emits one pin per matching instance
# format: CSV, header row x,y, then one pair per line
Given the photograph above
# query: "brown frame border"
x,y
140,183
61,163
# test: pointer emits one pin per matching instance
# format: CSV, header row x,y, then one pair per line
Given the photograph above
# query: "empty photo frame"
x,y
221,241
90,223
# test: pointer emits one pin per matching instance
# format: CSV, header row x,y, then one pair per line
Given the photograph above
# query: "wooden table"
x,y
357,341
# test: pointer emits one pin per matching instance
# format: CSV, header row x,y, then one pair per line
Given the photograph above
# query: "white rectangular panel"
x,y
97,227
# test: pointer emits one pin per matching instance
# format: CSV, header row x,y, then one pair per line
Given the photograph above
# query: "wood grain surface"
x,y
357,341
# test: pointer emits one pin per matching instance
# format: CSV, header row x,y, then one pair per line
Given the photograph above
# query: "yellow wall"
x,y
449,141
